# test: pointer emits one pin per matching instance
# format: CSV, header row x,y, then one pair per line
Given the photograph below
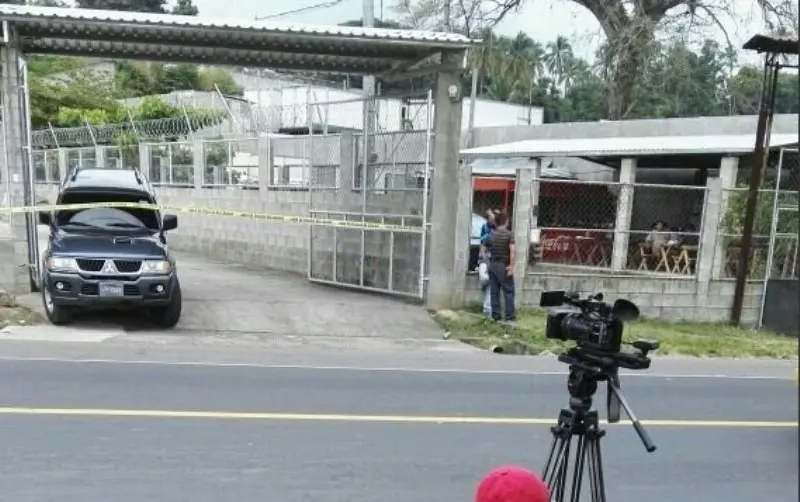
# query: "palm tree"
x,y
485,57
559,53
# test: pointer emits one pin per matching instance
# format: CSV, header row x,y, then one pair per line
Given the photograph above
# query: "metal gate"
x,y
383,181
780,296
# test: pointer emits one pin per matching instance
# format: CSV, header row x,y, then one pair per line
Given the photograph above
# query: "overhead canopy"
x,y
508,166
775,44
660,151
234,42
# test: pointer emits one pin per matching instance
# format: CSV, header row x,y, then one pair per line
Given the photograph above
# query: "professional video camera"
x,y
596,328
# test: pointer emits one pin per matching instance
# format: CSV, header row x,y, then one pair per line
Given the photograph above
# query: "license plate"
x,y
111,289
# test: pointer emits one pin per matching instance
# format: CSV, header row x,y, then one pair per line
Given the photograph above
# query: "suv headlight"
x,y
60,264
156,267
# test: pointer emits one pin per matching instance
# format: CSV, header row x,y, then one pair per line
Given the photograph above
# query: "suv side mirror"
x,y
170,222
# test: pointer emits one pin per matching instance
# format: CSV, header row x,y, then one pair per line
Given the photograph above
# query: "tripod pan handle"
x,y
644,436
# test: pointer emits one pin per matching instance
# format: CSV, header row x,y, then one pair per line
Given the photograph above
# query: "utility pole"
x,y
368,87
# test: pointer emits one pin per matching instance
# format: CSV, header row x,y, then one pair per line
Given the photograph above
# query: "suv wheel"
x,y
168,316
56,314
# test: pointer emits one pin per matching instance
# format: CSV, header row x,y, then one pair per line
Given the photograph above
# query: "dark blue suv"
x,y
106,257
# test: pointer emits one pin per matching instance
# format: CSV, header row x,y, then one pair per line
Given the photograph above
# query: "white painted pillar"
x,y
627,176
728,172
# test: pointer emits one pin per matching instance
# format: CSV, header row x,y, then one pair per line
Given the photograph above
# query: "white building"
x,y
284,101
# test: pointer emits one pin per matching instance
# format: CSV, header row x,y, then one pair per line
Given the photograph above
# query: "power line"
x,y
322,5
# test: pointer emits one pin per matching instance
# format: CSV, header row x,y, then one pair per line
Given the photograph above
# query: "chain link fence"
x,y
576,221
729,239
785,216
665,228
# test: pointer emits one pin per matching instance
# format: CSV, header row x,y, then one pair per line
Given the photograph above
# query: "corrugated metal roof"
x,y
776,44
628,146
36,13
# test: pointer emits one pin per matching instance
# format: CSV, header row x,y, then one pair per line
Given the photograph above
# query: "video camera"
x,y
596,328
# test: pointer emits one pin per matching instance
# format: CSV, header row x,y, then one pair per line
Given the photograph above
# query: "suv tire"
x,y
59,315
168,316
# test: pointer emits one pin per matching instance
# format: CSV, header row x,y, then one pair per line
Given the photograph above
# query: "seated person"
x,y
657,238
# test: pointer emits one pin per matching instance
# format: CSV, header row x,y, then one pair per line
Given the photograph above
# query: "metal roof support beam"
x,y
435,63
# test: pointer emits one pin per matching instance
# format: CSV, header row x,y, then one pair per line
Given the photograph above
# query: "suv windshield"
x,y
107,218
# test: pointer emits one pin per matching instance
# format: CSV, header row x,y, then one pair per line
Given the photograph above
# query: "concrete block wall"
x,y
667,299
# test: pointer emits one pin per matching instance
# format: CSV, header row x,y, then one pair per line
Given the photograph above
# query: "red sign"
x,y
568,245
557,244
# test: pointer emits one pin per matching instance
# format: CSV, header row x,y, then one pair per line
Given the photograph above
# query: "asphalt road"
x,y
52,455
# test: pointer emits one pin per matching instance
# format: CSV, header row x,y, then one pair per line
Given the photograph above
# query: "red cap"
x,y
512,484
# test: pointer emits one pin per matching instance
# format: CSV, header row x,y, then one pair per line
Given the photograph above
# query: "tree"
x,y
185,8
209,79
676,81
630,28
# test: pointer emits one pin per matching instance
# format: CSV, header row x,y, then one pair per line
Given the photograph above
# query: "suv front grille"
x,y
90,265
123,266
128,266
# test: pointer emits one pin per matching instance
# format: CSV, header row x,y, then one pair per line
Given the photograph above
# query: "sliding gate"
x,y
377,186
781,295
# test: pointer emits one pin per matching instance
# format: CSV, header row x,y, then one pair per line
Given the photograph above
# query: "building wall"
x,y
667,299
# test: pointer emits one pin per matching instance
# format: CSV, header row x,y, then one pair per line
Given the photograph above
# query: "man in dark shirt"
x,y
499,251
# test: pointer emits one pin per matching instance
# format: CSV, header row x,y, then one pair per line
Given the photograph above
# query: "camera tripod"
x,y
580,421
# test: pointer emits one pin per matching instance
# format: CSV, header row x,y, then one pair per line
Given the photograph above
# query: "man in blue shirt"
x,y
486,231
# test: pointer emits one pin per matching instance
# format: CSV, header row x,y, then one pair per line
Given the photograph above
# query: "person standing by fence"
x,y
483,264
499,251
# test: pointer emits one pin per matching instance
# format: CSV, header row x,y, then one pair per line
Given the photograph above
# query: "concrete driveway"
x,y
225,298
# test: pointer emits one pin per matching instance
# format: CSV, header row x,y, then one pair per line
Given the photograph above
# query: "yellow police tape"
x,y
278,218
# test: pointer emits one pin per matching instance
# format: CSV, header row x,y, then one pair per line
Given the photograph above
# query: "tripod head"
x,y
582,386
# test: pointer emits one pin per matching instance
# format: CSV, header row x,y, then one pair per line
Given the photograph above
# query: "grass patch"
x,y
12,314
680,338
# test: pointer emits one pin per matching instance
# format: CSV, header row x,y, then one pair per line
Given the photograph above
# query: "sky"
x,y
542,20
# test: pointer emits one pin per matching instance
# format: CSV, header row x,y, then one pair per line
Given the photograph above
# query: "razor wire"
x,y
229,117
145,130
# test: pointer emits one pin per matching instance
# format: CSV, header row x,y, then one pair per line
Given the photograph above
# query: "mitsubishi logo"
x,y
109,268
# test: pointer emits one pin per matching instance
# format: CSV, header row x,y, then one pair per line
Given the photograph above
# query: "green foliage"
x,y
733,218
66,92
211,78
676,80
185,8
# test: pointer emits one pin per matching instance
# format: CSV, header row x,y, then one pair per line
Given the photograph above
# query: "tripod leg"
x,y
557,492
600,484
592,472
556,448
580,463
595,461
